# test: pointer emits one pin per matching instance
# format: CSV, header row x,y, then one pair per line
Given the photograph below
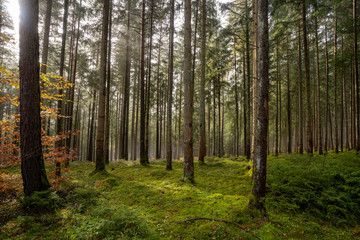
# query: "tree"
x,y
32,161
301,134
309,131
336,132
261,111
100,163
45,48
188,98
143,152
170,88
202,147
356,75
318,103
59,124
107,101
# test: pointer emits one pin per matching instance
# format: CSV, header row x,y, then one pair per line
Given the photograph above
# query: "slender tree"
x,y
59,125
100,163
356,76
301,134
45,47
143,152
336,132
188,97
170,89
318,103
107,96
309,131
288,102
202,146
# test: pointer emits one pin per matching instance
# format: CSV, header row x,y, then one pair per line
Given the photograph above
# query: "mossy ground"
x,y
308,198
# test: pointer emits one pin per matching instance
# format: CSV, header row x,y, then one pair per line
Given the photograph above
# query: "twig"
x,y
219,220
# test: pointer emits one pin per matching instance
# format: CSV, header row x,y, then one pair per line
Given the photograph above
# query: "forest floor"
x,y
308,198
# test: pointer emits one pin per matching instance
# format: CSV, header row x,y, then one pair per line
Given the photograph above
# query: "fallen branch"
x,y
223,221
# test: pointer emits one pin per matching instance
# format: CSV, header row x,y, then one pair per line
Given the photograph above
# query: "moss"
x,y
306,199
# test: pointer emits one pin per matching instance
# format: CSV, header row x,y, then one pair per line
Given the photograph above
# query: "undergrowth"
x,y
307,198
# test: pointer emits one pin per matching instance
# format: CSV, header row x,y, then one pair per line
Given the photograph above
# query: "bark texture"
x,y
32,161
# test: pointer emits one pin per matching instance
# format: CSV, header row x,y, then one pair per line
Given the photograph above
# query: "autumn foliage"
x,y
10,177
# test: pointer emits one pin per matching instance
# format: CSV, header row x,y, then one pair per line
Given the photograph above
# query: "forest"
x,y
179,119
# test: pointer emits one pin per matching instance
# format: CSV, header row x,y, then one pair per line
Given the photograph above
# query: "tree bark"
x,y
202,143
188,97
148,84
327,93
143,153
125,110
59,127
356,76
288,103
170,89
45,47
100,163
107,97
336,131
261,112
309,129
247,119
318,101
158,107
277,105
32,161
301,141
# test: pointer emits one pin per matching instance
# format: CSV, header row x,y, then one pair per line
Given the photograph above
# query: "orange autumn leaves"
x,y
10,178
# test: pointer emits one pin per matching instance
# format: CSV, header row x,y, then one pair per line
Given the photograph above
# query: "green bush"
x,y
41,202
325,188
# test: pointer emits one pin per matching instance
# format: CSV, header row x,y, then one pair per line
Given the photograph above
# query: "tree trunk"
x,y
248,93
170,88
45,47
158,107
148,84
277,105
125,110
237,135
100,163
180,107
255,68
214,117
137,119
202,143
133,141
32,161
188,97
143,153
107,97
59,127
345,107
327,94
72,89
301,141
261,110
219,115
336,132
356,76
318,102
92,129
288,102
309,129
